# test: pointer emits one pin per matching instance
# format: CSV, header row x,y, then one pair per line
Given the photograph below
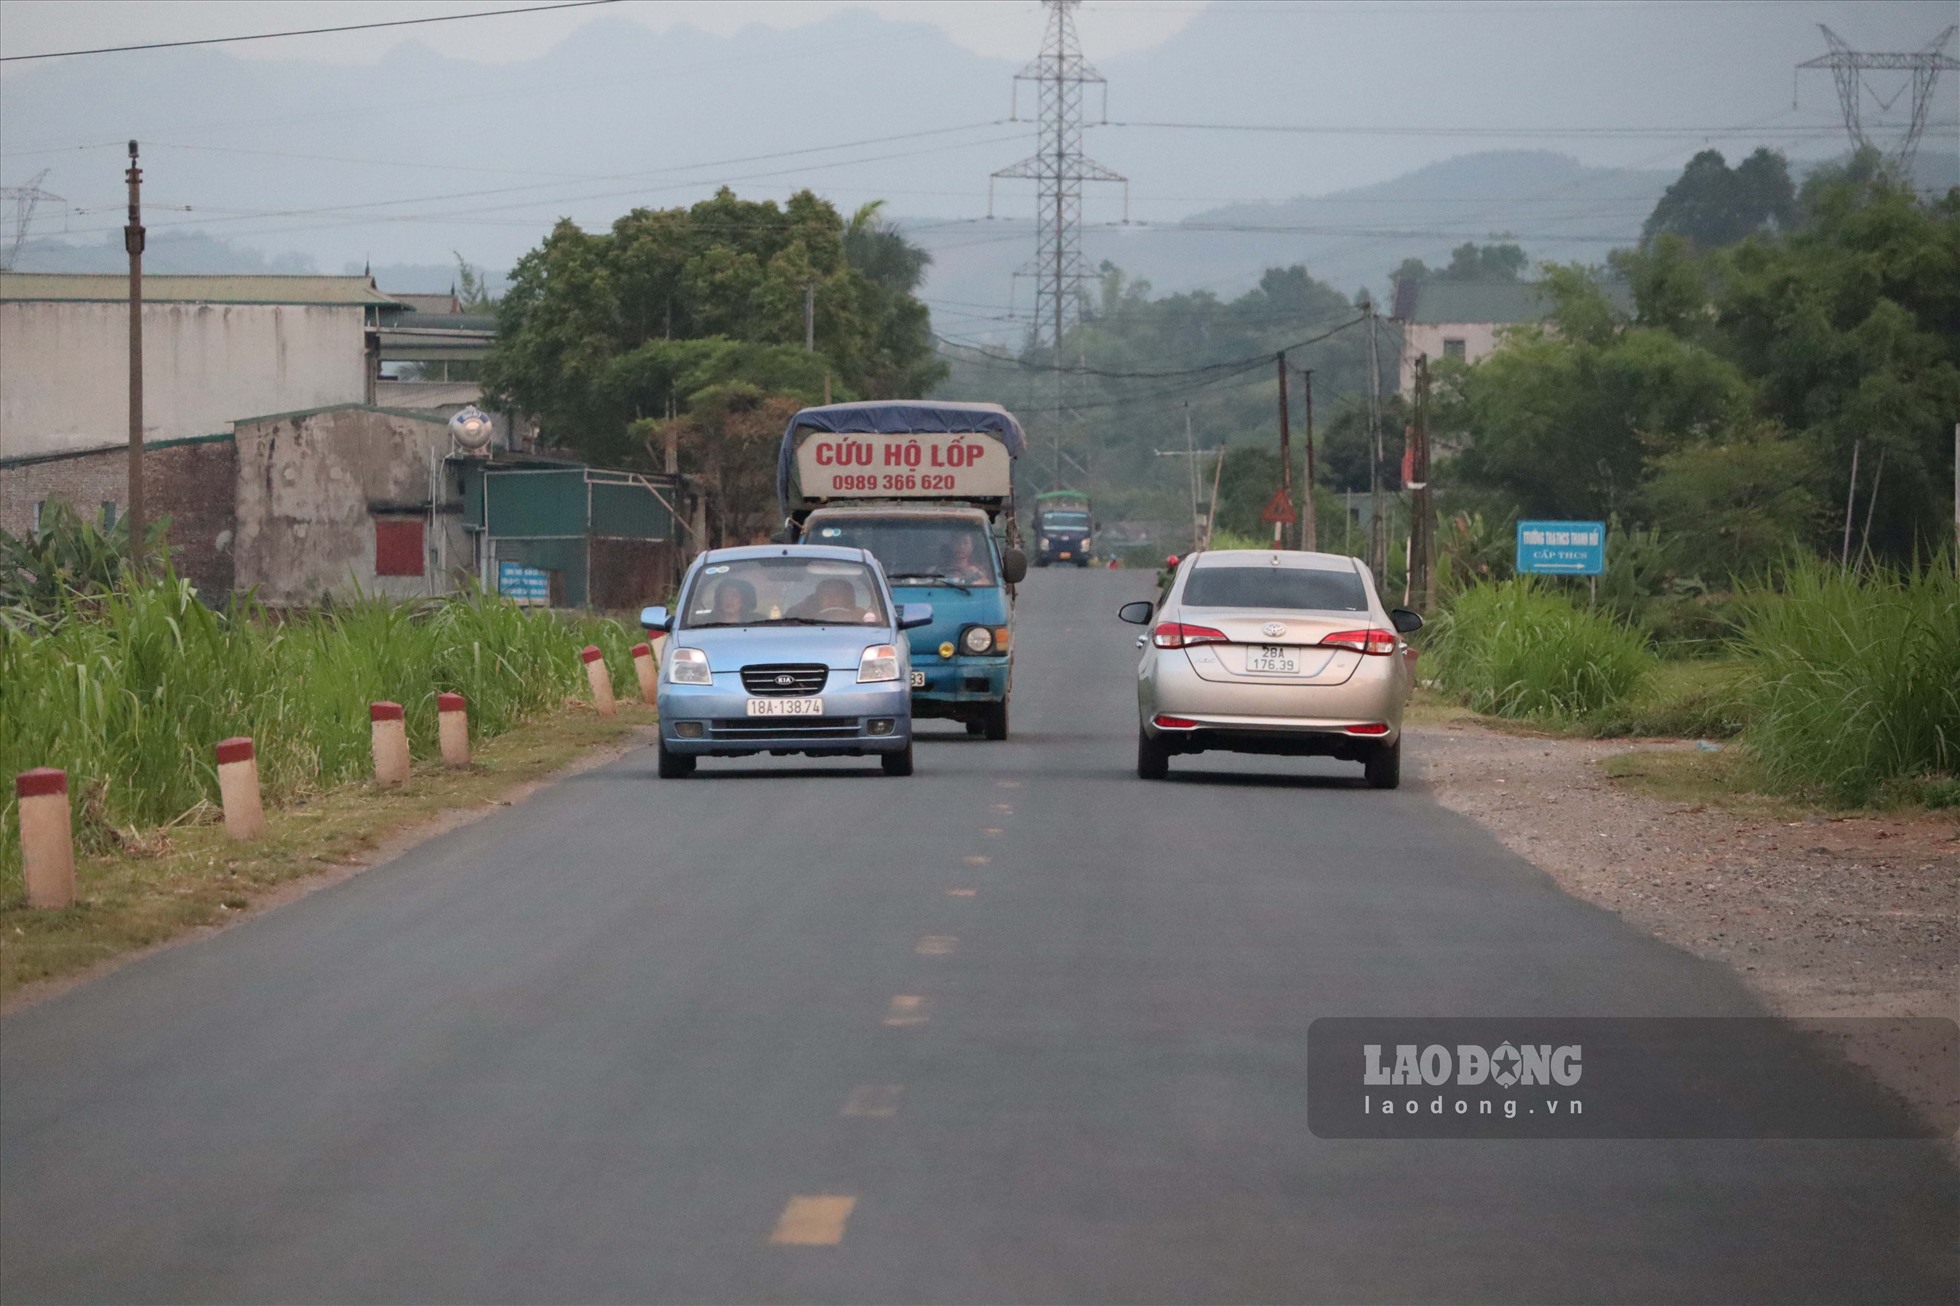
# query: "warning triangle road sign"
x,y
1280,511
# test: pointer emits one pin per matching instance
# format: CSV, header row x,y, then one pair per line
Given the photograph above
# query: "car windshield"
x,y
1065,521
1269,588
918,550
787,591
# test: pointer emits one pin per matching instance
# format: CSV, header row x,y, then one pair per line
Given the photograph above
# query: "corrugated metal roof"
x,y
1501,303
81,287
445,304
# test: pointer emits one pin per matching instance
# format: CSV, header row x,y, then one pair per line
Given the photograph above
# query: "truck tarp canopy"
x,y
896,417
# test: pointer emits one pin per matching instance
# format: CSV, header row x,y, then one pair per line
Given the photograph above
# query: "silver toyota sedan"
x,y
1257,651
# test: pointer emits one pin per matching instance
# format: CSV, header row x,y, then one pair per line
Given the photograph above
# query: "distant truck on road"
x,y
924,487
1063,528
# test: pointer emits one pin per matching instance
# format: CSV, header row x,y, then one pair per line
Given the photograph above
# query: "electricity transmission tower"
x,y
1059,169
24,199
1848,67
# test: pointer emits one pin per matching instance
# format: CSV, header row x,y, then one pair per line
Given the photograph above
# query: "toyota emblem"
x,y
786,680
1272,629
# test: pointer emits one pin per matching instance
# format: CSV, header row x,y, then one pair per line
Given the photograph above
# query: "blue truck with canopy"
x,y
923,487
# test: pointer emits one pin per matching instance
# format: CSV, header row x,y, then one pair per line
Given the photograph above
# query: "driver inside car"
x,y
834,599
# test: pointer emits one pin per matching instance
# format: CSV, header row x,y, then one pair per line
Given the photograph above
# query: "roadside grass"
x,y
159,883
1520,649
1730,779
1700,699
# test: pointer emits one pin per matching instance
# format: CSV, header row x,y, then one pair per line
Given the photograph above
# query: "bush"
x,y
129,690
1857,687
1521,649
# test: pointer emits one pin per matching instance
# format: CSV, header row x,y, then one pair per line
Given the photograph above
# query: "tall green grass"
x,y
1519,648
129,690
1856,690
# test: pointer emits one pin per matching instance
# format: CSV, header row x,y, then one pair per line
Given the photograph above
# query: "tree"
x,y
1469,262
1712,206
1736,503
586,326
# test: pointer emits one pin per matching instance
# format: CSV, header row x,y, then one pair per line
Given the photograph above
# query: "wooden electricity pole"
x,y
133,242
1422,520
1309,529
1285,451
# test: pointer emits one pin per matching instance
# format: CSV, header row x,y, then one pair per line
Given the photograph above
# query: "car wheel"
x,y
976,727
674,766
1384,766
897,763
1153,757
994,723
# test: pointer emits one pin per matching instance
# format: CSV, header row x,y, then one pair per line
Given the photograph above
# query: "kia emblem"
x,y
786,680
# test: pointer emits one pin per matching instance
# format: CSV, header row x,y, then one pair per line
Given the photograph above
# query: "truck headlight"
x,y
976,640
879,663
1041,541
689,666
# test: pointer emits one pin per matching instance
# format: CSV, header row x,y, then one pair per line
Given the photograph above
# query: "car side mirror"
x,y
1013,566
1405,621
913,615
1137,613
652,619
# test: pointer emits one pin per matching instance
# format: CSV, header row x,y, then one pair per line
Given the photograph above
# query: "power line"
x,y
1225,367
308,31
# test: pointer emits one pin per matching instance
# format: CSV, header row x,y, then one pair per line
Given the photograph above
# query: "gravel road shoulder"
x,y
1821,914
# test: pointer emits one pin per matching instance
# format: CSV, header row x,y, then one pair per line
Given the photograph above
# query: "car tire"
x,y
1384,766
994,723
674,766
897,763
976,727
1153,757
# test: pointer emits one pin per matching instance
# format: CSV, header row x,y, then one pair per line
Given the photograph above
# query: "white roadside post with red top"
x,y
600,680
47,841
453,728
238,788
390,739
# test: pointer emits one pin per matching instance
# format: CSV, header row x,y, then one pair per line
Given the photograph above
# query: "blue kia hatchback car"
x,y
785,649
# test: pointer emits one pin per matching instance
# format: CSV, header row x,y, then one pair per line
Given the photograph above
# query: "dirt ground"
x,y
1821,914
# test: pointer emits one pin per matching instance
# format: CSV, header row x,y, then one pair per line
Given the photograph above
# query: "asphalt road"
x,y
1027,1028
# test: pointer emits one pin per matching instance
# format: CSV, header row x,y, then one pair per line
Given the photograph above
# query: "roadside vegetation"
x,y
128,685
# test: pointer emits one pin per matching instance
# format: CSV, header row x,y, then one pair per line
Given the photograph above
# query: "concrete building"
x,y
1465,320
214,349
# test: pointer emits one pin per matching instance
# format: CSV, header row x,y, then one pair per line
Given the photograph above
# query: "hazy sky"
x,y
998,28
403,144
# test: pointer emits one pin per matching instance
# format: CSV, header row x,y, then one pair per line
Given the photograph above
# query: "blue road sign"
x,y
524,584
1566,548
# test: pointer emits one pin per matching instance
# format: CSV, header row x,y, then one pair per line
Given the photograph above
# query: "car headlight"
x,y
1042,541
689,666
879,663
977,639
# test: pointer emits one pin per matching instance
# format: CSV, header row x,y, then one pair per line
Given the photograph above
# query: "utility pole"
x,y
810,318
1850,505
1197,505
1285,451
1421,587
1309,528
133,242
1378,518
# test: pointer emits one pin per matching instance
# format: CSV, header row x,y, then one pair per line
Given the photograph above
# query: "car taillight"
x,y
1376,641
1371,728
1163,722
1175,634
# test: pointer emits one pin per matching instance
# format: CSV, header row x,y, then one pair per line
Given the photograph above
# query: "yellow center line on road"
x,y
1008,784
976,860
906,1009
992,830
961,893
935,945
879,1101
1005,809
815,1220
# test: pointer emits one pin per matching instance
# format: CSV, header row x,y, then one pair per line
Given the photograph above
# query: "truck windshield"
x,y
917,550
789,591
1065,521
